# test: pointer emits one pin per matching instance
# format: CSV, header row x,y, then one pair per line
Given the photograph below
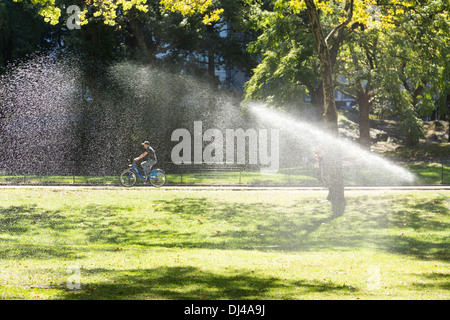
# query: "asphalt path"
x,y
231,188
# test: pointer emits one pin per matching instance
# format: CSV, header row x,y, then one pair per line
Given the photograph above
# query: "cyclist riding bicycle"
x,y
149,155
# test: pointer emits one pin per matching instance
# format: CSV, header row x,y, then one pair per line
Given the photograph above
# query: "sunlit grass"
x,y
146,243
431,173
425,173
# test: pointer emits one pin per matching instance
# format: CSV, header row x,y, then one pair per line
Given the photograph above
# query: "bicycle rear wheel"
x,y
158,178
127,178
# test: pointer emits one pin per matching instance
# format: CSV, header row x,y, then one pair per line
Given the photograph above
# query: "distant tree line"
x,y
146,67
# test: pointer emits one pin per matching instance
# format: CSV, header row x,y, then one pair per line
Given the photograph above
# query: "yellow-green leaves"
x,y
369,13
212,16
108,9
48,10
189,7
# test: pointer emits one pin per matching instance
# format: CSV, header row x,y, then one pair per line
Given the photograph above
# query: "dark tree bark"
x,y
448,115
332,156
363,100
211,56
141,41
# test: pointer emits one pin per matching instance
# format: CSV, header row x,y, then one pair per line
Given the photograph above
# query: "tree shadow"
x,y
338,207
257,225
420,217
190,283
14,251
298,225
436,280
19,220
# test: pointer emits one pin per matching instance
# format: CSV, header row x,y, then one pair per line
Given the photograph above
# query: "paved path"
x,y
231,188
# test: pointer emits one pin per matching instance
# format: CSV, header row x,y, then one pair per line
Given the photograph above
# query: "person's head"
x,y
146,144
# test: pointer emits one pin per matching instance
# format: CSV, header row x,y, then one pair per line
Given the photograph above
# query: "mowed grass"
x,y
431,173
146,243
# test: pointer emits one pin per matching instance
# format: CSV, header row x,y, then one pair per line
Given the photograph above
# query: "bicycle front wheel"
x,y
128,178
158,178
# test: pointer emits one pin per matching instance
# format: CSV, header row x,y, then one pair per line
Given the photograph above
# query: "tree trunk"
x,y
332,156
448,115
316,95
364,121
211,56
136,29
211,67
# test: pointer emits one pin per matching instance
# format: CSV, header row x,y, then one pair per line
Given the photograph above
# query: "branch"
x,y
169,47
372,99
349,9
336,45
361,88
346,93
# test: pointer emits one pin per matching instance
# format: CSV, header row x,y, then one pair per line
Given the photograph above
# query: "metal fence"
x,y
431,173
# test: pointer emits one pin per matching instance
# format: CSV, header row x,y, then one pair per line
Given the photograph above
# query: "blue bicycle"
x,y
128,178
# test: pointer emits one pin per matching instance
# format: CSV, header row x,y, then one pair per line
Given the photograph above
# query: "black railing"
x,y
432,173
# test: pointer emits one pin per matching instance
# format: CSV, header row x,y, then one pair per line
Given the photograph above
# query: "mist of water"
x,y
52,122
56,119
37,98
360,165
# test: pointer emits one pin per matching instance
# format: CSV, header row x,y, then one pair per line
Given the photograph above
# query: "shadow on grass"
x,y
201,222
253,224
20,220
435,280
422,218
302,225
189,283
14,251
16,219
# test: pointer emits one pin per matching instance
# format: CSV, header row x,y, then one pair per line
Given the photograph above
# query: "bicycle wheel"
x,y
158,178
127,178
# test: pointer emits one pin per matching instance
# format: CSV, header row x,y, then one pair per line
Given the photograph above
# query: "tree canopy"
x,y
391,56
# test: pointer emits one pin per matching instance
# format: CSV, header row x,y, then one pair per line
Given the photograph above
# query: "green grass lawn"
x,y
426,174
431,173
299,177
283,177
146,243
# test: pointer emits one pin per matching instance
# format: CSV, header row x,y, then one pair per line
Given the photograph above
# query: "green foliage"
x,y
109,10
400,62
412,66
288,66
407,72
398,101
47,9
210,10
411,126
196,42
22,32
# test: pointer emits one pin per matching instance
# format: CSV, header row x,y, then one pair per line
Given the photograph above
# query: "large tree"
x,y
288,70
357,68
332,158
330,23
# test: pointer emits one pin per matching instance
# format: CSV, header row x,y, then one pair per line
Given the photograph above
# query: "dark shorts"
x,y
147,165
